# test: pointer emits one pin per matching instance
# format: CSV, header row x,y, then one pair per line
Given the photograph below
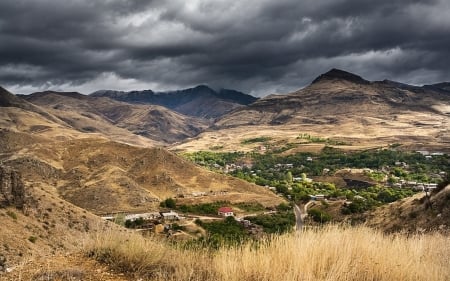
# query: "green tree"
x,y
168,203
289,177
319,215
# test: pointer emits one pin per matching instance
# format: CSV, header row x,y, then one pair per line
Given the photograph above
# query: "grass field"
x,y
331,253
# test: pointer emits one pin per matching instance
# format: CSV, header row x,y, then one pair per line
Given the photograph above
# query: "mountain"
x,y
103,115
102,176
200,101
29,121
337,75
414,214
342,104
9,100
445,87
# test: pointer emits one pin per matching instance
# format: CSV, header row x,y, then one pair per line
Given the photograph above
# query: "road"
x,y
301,215
298,218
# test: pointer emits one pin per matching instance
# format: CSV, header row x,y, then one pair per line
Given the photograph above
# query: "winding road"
x,y
301,215
298,218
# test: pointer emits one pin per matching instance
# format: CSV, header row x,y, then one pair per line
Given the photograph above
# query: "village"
x,y
174,224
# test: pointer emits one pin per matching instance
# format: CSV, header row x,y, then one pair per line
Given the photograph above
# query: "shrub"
x,y
168,203
32,239
319,216
12,215
275,223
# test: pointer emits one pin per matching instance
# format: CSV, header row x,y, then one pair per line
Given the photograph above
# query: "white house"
x,y
171,215
225,212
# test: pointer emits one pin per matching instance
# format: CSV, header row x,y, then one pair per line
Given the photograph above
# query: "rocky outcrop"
x,y
12,189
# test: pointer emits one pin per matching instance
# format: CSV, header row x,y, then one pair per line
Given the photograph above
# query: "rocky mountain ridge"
x,y
200,101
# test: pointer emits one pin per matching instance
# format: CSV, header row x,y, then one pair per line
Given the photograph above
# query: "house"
x,y
225,212
144,216
198,194
171,215
317,197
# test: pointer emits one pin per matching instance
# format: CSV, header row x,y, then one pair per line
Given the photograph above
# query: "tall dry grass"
x,y
331,253
147,257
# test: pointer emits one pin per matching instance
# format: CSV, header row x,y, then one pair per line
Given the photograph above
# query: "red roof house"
x,y
225,212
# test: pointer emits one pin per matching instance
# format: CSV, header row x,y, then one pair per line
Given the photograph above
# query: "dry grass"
x,y
148,258
332,253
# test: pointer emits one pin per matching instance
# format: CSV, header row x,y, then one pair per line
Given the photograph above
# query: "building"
x,y
318,197
144,216
171,215
225,212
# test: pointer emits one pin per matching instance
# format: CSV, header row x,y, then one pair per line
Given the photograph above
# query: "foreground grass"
x,y
331,253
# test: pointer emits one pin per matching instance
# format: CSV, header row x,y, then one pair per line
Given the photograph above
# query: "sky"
x,y
259,47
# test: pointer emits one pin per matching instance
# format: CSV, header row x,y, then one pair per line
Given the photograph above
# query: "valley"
x,y
124,185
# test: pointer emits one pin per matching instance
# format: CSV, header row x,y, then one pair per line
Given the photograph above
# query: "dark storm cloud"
x,y
257,46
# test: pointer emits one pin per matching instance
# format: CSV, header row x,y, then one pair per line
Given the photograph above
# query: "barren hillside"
x,y
414,214
104,176
107,116
344,106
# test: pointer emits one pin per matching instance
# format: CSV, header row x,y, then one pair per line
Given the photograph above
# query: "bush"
x,y
275,223
134,223
283,207
319,216
168,203
32,239
254,140
176,227
12,215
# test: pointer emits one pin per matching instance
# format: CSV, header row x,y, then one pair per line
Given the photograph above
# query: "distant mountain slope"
x,y
337,95
104,176
339,103
10,100
414,215
200,101
104,115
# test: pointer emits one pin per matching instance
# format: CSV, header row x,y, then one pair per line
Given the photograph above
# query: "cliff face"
x,y
12,190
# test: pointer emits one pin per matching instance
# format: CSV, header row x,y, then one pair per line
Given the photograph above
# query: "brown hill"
x,y
104,115
341,104
337,96
413,214
36,222
103,176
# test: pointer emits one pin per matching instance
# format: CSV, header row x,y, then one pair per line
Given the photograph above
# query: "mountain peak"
x,y
338,74
8,99
202,87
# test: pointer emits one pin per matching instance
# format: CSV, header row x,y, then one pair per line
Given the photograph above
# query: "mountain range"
x,y
200,101
336,104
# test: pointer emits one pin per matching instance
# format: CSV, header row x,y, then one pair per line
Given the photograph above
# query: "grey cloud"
x,y
257,46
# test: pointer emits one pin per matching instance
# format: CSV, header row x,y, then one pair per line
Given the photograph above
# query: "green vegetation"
x,y
209,159
313,139
32,239
223,232
255,140
249,206
289,174
119,219
168,203
134,223
319,215
275,223
11,214
211,208
203,209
